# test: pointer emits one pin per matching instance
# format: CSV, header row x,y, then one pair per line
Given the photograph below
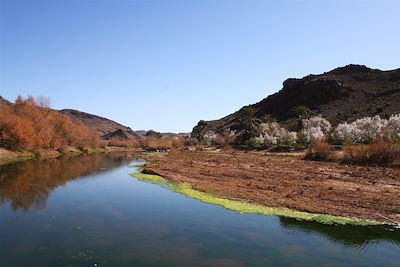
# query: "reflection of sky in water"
x,y
112,219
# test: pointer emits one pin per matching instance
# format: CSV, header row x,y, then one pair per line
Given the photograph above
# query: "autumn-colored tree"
x,y
15,132
31,125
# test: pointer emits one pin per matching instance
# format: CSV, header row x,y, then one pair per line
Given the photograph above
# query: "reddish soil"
x,y
287,181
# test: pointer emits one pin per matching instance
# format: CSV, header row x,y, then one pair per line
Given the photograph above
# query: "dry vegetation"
x,y
378,153
162,143
280,180
31,125
150,143
319,151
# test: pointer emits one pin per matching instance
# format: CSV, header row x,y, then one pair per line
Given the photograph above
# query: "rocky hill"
x,y
4,102
343,94
105,127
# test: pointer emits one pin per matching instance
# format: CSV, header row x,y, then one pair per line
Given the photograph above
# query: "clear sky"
x,y
165,65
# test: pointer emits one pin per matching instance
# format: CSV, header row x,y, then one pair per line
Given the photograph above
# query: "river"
x,y
89,211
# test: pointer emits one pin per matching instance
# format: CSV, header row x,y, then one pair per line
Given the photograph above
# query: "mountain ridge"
x,y
342,94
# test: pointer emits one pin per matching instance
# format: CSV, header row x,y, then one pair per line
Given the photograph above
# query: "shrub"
x,y
379,152
178,142
127,143
210,138
153,143
253,143
226,138
303,137
288,138
320,151
302,112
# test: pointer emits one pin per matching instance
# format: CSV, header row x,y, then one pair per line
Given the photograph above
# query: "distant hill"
x,y
165,134
106,128
343,94
4,102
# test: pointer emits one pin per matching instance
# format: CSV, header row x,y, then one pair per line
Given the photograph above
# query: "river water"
x,y
88,211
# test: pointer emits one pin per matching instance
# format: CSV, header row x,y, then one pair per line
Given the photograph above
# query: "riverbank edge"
x,y
244,206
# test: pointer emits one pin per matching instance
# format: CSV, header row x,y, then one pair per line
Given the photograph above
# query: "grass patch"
x,y
246,207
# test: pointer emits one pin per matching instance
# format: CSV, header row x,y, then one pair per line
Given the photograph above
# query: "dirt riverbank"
x,y
278,180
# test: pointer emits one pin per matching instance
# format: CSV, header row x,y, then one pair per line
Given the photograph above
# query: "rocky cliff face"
x,y
343,94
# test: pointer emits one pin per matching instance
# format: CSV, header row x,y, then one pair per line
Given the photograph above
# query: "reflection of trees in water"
x,y
349,235
28,184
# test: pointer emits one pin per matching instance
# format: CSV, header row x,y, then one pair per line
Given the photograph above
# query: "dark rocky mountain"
x,y
343,94
118,134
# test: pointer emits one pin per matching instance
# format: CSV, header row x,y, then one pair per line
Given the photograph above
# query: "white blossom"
x,y
315,129
303,137
273,134
345,132
369,129
317,122
393,128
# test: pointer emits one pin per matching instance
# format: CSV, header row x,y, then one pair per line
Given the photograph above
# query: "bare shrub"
x,y
379,152
127,143
320,151
163,143
226,138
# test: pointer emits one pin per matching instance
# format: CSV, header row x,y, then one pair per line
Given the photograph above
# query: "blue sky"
x,y
165,65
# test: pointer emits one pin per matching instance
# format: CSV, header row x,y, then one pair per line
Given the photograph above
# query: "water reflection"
x,y
349,235
27,185
112,219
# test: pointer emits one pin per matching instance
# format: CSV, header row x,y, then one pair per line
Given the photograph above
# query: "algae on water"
x,y
246,207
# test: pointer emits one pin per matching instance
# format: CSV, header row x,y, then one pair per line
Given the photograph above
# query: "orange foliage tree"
x,y
30,124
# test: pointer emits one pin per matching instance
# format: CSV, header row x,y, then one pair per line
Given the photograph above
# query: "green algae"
x,y
247,207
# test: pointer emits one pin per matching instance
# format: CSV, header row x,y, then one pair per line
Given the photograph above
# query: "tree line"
x,y
31,125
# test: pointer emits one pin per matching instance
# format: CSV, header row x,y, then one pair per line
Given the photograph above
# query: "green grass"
x,y
246,207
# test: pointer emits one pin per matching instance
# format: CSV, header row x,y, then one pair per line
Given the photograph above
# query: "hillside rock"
x,y
101,125
343,94
118,134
